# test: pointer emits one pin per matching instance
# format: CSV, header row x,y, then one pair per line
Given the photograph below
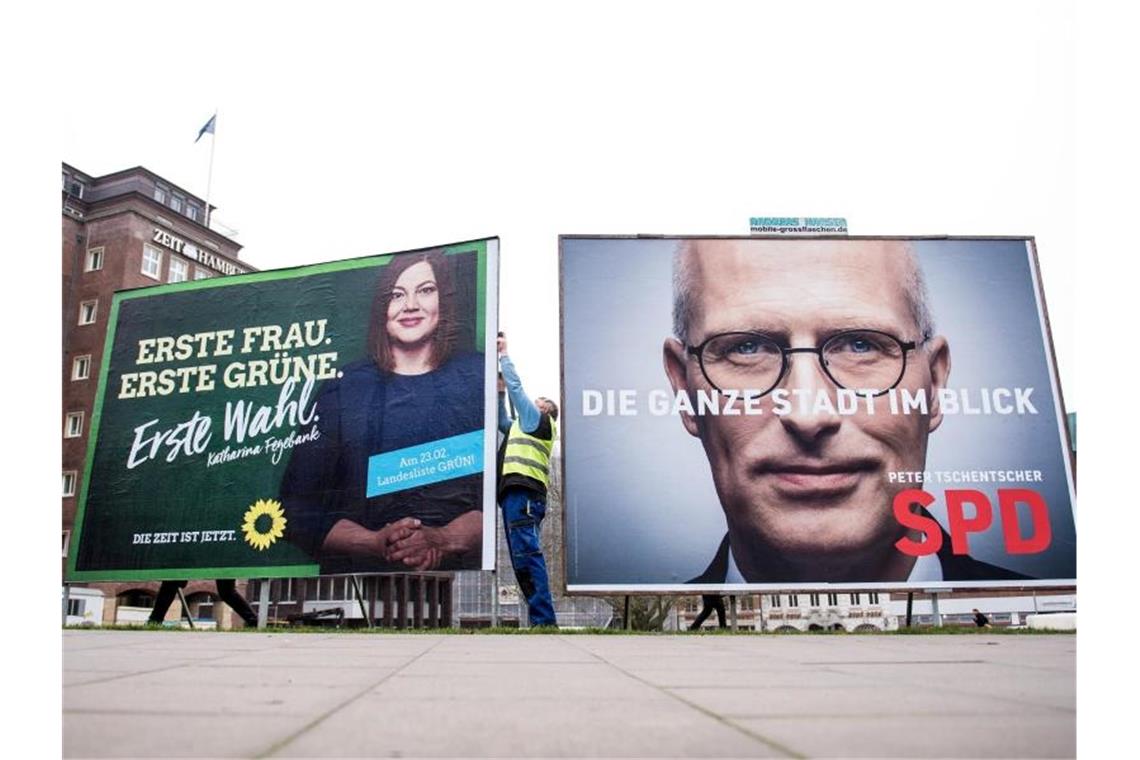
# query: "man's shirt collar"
x,y
926,569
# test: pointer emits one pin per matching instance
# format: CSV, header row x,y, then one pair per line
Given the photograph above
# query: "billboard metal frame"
x,y
691,589
486,296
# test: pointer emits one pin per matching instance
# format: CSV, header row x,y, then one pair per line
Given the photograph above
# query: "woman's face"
x,y
413,311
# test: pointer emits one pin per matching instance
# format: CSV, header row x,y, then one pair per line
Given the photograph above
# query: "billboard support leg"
x,y
625,615
185,607
360,601
909,606
263,606
937,614
494,598
732,612
66,600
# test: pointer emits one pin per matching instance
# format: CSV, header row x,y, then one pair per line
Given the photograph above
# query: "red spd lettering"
x,y
1025,531
928,526
961,526
1042,535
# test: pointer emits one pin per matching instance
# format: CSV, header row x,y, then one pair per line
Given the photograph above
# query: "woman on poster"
x,y
413,389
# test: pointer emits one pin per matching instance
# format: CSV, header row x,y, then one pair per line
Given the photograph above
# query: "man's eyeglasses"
x,y
753,364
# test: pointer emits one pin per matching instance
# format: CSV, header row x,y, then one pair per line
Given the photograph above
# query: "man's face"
x,y
808,483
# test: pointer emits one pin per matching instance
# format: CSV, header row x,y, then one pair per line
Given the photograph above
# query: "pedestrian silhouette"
x,y
709,602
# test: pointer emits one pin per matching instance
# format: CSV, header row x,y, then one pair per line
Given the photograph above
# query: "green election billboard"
x,y
333,418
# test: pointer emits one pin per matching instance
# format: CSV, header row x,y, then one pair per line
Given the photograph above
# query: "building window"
x,y
333,589
176,202
87,312
855,599
152,262
66,546
160,193
793,600
813,600
193,211
81,367
775,600
202,274
94,259
873,597
833,600
282,590
69,477
201,605
72,186
74,426
178,271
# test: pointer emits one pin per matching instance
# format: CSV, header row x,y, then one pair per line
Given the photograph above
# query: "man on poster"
x,y
806,491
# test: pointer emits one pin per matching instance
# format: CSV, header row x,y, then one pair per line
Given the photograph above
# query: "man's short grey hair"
x,y
684,299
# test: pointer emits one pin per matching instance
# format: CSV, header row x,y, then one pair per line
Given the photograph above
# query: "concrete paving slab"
x,y
160,640
80,677
253,675
1049,687
472,680
684,675
126,660
214,696
810,699
119,735
509,649
377,726
978,736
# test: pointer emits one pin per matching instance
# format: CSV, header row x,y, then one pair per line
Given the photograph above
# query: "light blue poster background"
x,y
640,503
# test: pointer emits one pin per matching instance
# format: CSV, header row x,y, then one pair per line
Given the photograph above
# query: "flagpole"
x,y
210,171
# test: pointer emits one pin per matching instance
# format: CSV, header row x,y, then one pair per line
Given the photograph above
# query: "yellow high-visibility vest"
x,y
527,455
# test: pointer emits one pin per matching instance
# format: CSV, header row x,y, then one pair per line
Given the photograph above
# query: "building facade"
x,y
869,611
129,229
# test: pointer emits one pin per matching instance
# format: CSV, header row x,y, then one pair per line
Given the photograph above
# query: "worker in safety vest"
x,y
524,472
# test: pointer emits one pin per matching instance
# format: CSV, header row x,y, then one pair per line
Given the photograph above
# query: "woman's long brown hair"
x,y
444,338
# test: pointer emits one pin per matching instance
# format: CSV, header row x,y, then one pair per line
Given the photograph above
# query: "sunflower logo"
x,y
264,523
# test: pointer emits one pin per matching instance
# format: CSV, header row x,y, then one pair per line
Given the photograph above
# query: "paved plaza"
x,y
210,694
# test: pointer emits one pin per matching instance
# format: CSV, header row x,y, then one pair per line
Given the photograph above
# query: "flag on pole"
x,y
208,127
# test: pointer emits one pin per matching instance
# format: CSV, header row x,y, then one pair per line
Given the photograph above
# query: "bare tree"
x,y
646,613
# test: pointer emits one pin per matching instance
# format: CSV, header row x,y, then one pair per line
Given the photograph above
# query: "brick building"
x,y
129,229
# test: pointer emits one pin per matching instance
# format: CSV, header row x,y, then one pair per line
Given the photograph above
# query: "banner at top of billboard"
x,y
335,418
763,413
797,225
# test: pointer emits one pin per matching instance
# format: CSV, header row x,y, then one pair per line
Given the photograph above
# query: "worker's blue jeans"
x,y
522,521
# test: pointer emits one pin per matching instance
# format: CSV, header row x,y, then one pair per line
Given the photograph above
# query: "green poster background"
x,y
183,518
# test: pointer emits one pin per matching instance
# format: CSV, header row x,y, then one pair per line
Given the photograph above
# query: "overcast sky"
x,y
344,134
